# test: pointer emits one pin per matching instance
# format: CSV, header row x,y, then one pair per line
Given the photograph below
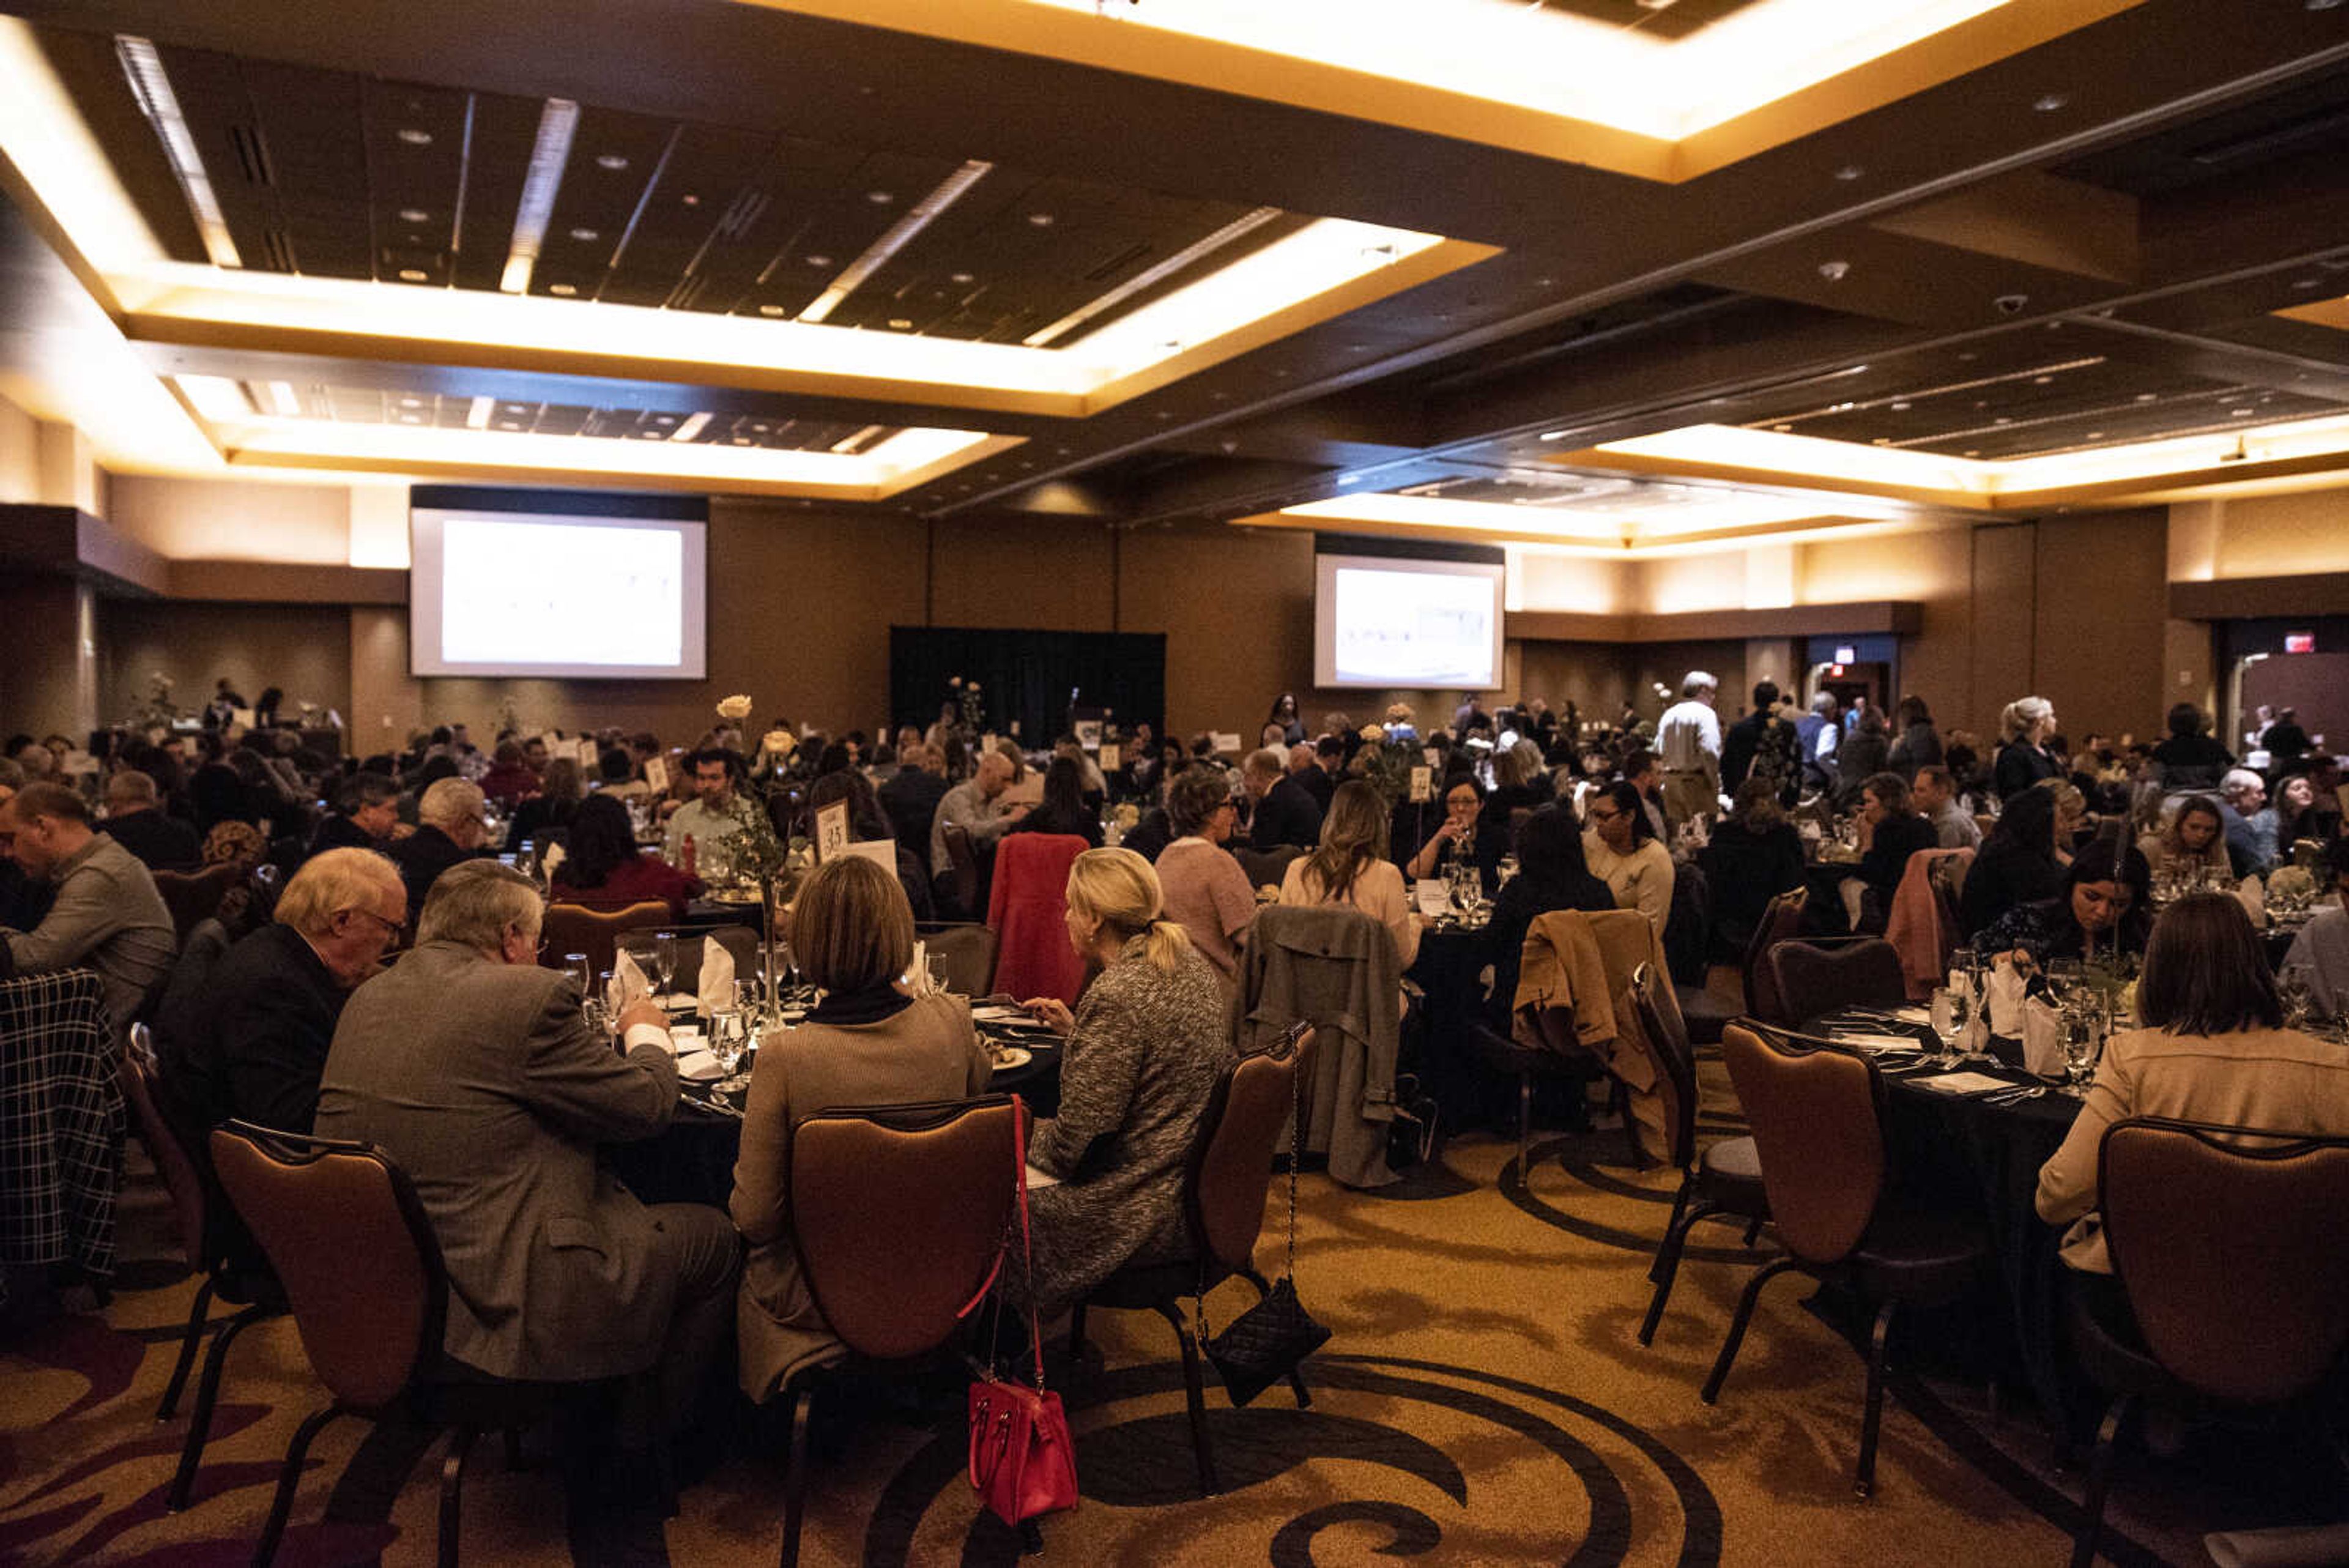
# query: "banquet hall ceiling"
x,y
2086,245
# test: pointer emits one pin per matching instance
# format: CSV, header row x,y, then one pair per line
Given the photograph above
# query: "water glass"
x,y
2076,1024
2298,996
1952,1008
665,959
576,966
728,1038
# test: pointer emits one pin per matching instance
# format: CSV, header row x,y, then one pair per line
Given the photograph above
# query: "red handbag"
x,y
1021,1460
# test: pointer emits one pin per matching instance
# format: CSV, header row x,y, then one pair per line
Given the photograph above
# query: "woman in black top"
x,y
1754,855
1919,744
2105,908
1284,713
2189,758
1860,757
1551,874
2023,761
2017,864
1063,809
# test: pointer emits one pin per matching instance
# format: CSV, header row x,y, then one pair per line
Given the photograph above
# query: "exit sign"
x,y
2300,642
1847,656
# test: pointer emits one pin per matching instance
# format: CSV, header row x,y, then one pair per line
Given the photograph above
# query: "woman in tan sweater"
x,y
865,1044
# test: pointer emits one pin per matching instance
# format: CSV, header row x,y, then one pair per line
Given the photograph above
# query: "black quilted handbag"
x,y
1272,1338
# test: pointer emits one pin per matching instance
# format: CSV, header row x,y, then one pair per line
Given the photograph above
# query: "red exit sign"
x,y
2300,642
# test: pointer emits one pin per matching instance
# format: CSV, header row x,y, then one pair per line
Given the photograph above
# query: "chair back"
x,y
1817,1111
898,1213
194,896
575,928
741,943
965,951
1266,867
2235,1253
1781,919
1688,925
1239,1133
962,862
182,1180
1815,980
1028,906
1660,1032
349,1242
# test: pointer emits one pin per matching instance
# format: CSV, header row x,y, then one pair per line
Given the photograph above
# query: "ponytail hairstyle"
x,y
1119,888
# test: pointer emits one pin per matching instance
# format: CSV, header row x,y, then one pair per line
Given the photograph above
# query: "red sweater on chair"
x,y
1028,910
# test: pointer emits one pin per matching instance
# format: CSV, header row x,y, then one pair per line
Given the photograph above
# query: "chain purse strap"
x,y
1296,1156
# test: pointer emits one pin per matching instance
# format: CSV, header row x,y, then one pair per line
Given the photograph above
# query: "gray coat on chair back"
x,y
1335,967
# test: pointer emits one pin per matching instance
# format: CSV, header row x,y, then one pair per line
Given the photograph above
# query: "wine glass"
x,y
2298,996
665,959
728,1038
2076,1026
1952,1006
576,966
1507,870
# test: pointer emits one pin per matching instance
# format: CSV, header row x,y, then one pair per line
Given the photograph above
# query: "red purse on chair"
x,y
1021,1460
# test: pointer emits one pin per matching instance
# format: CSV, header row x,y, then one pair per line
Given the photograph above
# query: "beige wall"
x,y
234,520
43,679
304,650
2279,535
20,455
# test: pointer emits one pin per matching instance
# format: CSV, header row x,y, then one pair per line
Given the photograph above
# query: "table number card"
x,y
831,831
1110,758
656,774
1089,734
589,757
1423,784
882,852
1227,741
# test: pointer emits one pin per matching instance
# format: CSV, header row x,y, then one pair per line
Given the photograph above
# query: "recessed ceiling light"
x,y
1165,413
1041,220
1973,452
2043,380
1782,428
817,261
1965,354
959,277
414,138
1834,271
770,310
1899,407
691,200
412,275
2307,283
2324,4
414,215
2148,397
2096,435
509,425
564,289
1551,435
411,402
611,160
584,236
900,324
2238,413
2002,420
2049,102
879,198
1849,173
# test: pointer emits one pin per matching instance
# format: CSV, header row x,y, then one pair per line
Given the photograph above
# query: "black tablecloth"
x,y
1955,1151
692,1160
1449,972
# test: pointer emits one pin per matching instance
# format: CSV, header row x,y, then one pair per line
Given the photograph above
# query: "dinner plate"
x,y
1007,1057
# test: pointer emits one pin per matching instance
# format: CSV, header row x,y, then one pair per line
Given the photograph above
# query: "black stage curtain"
x,y
1033,677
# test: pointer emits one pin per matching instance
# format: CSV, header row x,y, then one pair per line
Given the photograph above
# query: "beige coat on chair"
x,y
1584,961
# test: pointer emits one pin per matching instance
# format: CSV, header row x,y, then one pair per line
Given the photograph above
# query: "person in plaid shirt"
x,y
106,916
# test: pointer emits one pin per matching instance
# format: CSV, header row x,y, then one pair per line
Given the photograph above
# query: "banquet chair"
x,y
1812,979
1223,1184
1623,943
1781,919
1817,1111
962,861
898,1214
1722,1180
2234,1256
965,950
741,943
348,1237
1028,907
1266,867
199,1230
575,928
194,896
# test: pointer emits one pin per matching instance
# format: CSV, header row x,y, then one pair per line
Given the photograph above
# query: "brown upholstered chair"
x,y
1720,1181
362,1271
965,950
962,864
574,929
872,1191
740,941
198,1230
1223,1207
194,896
1781,919
2235,1258
1817,1111
1811,979
1266,867
1561,1056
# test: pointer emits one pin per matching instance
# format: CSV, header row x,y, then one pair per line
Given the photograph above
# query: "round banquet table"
x,y
1449,972
1948,1148
691,1160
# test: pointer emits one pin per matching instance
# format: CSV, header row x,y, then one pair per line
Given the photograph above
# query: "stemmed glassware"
x,y
1506,871
729,1038
1952,1006
576,966
2077,1024
2298,996
664,960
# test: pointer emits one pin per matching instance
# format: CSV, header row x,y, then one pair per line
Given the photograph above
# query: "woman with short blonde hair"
x,y
2023,760
1144,1046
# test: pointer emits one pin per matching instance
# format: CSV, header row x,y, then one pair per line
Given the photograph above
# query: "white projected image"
x,y
517,593
1413,627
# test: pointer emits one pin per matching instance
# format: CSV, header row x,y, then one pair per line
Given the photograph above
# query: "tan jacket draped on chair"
x,y
1584,962
1334,966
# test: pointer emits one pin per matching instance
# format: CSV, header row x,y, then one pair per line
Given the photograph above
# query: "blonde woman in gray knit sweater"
x,y
1144,1046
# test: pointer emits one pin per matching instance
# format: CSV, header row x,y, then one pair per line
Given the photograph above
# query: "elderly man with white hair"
x,y
452,826
248,1039
1688,739
2250,822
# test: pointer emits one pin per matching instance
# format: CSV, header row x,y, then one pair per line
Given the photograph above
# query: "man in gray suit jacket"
x,y
474,1068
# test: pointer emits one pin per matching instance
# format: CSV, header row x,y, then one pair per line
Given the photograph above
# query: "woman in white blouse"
x,y
1351,866
1625,854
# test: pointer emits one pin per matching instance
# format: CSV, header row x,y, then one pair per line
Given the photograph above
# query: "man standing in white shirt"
x,y
1687,738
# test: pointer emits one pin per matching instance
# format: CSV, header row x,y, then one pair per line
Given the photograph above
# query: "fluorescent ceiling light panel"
x,y
950,190
1246,225
152,85
558,122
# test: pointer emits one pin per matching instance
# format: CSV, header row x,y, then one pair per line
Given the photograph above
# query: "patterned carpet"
x,y
1483,1401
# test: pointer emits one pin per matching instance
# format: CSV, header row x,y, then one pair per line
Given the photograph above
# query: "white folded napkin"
x,y
917,975
550,860
628,983
2291,1546
1434,899
2005,990
716,984
1961,1083
2043,1040
2254,896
